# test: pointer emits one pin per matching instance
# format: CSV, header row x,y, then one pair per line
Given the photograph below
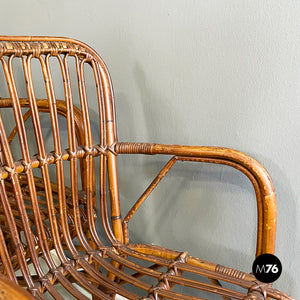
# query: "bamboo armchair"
x,y
49,242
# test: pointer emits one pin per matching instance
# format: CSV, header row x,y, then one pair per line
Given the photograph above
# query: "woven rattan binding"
x,y
49,241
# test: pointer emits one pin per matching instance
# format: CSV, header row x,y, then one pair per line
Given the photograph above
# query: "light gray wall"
x,y
224,73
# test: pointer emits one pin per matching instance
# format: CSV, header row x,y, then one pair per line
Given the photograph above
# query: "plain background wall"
x,y
223,73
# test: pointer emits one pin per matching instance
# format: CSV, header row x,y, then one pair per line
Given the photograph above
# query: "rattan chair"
x,y
49,241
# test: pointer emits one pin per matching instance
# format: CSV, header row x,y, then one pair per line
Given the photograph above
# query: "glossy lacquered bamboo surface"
x,y
52,198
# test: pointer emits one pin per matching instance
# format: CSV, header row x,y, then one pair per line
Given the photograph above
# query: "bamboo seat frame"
x,y
40,216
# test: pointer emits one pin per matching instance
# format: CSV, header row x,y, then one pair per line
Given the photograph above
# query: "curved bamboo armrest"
x,y
259,177
12,291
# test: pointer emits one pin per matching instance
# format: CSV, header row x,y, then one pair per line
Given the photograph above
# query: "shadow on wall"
x,y
157,114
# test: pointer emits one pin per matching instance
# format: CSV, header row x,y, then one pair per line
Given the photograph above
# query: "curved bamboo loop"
x,y
259,177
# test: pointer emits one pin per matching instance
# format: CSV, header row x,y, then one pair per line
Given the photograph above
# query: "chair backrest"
x,y
37,59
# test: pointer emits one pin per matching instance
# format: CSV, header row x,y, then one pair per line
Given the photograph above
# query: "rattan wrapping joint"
x,y
230,271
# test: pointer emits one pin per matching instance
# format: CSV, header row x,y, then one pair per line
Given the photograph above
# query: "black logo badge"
x,y
267,268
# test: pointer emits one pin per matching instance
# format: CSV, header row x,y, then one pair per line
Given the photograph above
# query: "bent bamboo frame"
x,y
43,219
259,177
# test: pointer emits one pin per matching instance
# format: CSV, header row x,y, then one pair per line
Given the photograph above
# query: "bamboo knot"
x,y
259,289
46,279
57,271
35,289
88,151
153,291
42,160
163,281
36,49
181,258
27,166
58,157
18,50
112,150
72,154
11,171
2,49
55,47
101,149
